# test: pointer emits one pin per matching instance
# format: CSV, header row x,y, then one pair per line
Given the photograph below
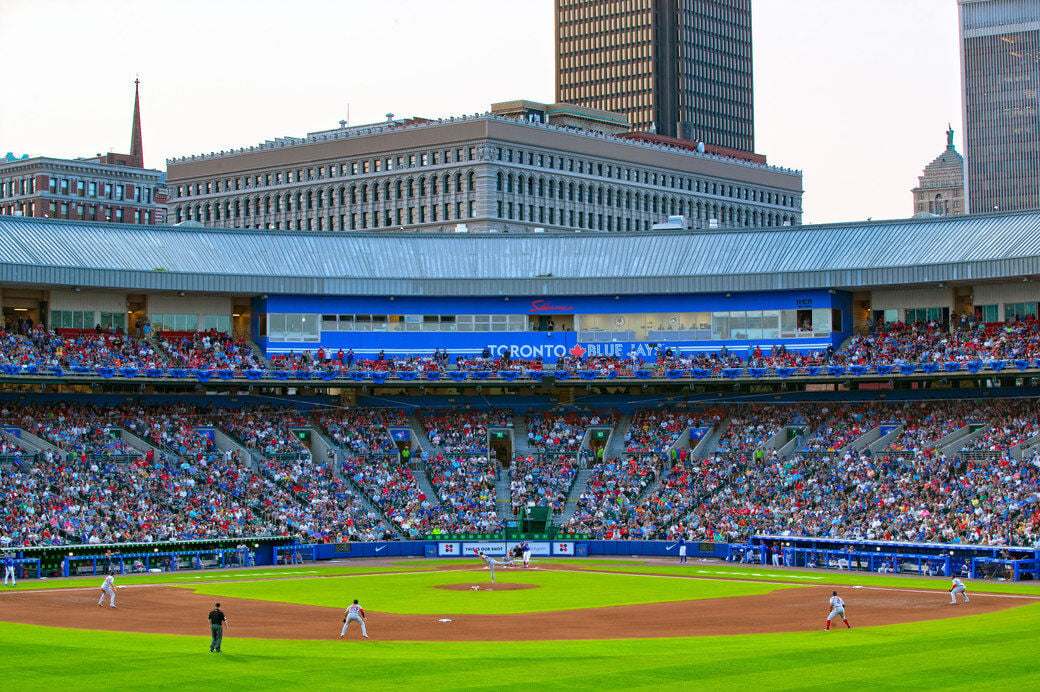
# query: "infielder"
x,y
837,608
491,563
682,550
106,587
9,570
526,547
958,588
354,613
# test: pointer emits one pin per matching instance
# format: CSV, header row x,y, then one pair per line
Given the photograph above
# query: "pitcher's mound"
x,y
486,587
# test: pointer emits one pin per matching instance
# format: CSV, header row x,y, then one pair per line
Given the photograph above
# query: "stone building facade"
x,y
478,173
940,190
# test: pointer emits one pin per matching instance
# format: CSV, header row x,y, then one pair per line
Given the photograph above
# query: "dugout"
x,y
898,556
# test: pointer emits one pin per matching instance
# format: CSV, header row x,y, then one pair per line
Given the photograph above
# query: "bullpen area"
x,y
561,623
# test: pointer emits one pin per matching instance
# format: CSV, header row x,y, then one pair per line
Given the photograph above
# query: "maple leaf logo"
x,y
577,351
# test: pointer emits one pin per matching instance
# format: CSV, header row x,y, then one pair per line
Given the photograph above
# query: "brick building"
x,y
106,187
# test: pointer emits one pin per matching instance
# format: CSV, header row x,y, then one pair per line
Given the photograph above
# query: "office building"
x,y
678,68
1000,78
508,172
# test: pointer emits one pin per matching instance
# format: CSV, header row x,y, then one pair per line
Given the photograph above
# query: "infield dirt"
x,y
176,610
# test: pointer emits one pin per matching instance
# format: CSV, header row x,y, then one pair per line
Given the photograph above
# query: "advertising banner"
x,y
449,549
493,548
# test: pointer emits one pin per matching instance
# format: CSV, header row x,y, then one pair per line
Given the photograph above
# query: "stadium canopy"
x,y
964,249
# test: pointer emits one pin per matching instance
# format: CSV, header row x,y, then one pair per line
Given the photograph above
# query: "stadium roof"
x,y
962,249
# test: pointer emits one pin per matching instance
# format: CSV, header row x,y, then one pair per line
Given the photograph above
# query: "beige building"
x,y
527,167
940,190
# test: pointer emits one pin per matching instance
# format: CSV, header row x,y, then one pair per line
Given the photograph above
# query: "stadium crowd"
x,y
544,480
463,432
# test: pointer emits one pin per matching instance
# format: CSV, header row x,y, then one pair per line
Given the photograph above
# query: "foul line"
x,y
590,570
793,583
237,581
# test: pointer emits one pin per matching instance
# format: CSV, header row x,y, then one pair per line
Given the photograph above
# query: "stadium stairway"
x,y
226,442
422,479
502,496
520,442
259,352
616,443
419,434
35,444
581,481
708,445
337,468
142,445
153,339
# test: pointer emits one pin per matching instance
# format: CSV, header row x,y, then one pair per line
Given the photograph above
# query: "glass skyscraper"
x,y
1000,76
680,68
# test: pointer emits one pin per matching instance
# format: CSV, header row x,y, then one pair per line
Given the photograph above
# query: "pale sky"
x,y
855,94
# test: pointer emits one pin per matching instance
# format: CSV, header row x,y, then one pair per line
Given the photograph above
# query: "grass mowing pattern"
x,y
460,561
415,593
822,578
195,576
993,651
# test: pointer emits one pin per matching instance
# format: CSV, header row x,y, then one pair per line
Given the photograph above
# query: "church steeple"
x,y
136,146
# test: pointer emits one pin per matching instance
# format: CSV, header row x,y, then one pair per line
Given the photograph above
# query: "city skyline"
x,y
857,98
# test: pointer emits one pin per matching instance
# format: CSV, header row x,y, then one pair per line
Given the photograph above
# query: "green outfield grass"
x,y
192,576
534,561
995,651
415,593
765,573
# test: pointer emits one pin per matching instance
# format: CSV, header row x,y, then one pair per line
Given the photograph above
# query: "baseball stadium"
x,y
792,457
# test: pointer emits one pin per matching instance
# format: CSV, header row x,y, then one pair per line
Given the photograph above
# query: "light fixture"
x,y
21,309
235,314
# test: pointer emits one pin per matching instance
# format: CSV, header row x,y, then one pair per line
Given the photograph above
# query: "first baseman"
x,y
106,587
837,608
958,588
354,613
9,569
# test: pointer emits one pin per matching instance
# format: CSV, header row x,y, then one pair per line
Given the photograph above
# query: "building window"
x,y
1019,310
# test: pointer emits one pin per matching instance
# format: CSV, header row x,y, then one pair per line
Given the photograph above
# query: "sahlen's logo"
x,y
577,351
546,306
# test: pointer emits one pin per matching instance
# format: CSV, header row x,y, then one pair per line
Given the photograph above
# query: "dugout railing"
x,y
1001,568
295,554
949,559
854,561
25,568
123,563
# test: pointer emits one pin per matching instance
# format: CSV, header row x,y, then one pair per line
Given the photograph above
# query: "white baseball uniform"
x,y
106,587
837,608
958,588
491,562
354,614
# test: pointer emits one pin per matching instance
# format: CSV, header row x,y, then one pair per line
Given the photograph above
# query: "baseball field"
x,y
562,624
